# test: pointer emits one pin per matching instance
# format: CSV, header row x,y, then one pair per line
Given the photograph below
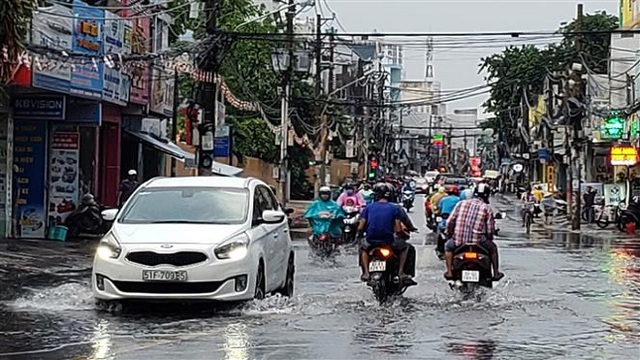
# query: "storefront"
x,y
55,157
145,143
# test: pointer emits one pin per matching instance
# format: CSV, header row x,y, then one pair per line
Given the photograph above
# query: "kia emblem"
x,y
166,246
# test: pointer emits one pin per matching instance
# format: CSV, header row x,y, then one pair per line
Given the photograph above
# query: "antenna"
x,y
429,59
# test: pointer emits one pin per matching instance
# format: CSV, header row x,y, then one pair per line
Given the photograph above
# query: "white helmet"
x,y
324,189
132,172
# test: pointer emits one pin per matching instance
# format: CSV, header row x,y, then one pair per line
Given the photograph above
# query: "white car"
x,y
195,238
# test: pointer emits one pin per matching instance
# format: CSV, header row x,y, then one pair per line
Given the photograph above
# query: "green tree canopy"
x,y
520,71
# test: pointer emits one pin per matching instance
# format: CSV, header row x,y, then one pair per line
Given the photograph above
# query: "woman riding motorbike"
x,y
325,215
350,193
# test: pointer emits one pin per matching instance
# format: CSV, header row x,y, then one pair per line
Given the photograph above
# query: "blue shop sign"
x,y
543,154
221,146
85,113
87,79
44,107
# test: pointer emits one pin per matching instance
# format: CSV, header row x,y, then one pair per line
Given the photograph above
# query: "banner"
x,y
162,87
30,157
140,40
63,176
52,27
41,107
116,84
87,79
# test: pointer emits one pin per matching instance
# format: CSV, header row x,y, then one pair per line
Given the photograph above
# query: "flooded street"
x,y
564,296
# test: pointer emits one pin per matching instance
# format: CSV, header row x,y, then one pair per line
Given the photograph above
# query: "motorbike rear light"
x,y
323,237
383,253
470,255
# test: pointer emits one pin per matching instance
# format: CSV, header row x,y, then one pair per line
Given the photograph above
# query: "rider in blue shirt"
x,y
449,202
382,221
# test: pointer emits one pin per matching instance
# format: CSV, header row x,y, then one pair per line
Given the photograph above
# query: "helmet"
x,y
132,173
348,186
482,191
383,190
466,194
324,190
452,190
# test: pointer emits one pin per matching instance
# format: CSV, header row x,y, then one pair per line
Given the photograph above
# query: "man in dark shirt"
x,y
382,221
128,186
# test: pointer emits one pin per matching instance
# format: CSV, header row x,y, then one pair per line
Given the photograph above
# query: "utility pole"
x,y
324,133
284,109
318,93
208,90
577,126
174,119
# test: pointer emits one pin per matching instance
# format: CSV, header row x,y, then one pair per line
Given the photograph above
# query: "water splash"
x,y
70,296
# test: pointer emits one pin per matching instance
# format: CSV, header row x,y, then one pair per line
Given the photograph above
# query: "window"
x,y
198,205
267,193
267,200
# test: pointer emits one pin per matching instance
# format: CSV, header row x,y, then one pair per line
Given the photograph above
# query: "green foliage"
x,y
15,16
519,71
253,138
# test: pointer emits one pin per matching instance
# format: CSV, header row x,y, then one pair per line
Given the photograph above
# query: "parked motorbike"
x,y
351,218
408,197
87,218
384,269
630,214
471,268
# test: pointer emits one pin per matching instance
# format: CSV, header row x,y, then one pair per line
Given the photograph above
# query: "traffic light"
x,y
373,168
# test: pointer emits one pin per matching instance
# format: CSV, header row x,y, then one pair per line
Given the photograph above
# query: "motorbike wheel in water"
x,y
322,246
527,218
602,221
383,269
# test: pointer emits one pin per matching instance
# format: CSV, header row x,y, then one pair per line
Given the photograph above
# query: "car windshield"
x,y
187,205
456,181
420,181
431,174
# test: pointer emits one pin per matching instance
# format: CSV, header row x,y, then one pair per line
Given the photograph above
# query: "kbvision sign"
x,y
44,107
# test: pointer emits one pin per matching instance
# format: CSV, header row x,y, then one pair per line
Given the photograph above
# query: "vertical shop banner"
x,y
87,78
52,27
116,82
138,71
162,85
29,155
63,175
614,193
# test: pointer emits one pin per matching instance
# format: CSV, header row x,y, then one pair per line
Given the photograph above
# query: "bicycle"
x,y
527,215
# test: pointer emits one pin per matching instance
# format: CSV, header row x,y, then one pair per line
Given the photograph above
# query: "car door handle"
x,y
275,235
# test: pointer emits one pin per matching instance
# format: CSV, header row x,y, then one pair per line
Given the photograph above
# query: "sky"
x,y
455,68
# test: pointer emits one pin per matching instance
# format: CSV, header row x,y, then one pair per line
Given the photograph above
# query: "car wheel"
x,y
259,293
287,288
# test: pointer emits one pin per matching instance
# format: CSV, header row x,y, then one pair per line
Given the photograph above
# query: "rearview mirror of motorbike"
x,y
109,214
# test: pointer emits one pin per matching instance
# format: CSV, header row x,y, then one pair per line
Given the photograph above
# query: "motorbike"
x,y
321,242
441,221
408,196
87,218
471,268
561,207
384,269
629,214
351,218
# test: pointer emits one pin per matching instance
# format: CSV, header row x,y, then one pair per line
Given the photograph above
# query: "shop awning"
x,y
163,145
225,170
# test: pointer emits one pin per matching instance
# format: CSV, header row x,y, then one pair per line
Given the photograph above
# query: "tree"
x,y
15,16
520,71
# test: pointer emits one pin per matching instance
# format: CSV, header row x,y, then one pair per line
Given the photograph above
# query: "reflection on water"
x,y
624,268
476,350
236,341
101,341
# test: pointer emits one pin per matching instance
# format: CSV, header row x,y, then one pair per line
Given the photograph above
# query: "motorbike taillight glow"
x,y
470,255
323,237
383,253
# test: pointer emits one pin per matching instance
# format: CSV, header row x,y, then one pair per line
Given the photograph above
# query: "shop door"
x,y
109,163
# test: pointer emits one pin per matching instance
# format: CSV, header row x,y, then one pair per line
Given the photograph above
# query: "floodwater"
x,y
565,296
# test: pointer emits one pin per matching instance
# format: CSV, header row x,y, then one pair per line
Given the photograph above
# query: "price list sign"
x,y
29,157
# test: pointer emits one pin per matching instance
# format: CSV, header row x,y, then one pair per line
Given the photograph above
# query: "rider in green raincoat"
x,y
325,215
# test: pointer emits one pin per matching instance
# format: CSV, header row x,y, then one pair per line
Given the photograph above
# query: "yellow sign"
x,y
626,13
551,177
623,155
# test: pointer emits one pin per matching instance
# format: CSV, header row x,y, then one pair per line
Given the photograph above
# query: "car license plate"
x,y
470,276
377,266
164,275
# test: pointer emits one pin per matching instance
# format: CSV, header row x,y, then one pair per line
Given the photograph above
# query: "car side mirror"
x,y
272,216
109,214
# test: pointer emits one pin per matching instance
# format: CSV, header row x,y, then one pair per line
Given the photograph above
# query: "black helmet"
x,y
482,191
382,191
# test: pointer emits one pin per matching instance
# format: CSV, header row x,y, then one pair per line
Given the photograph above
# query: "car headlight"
x,y
109,247
233,249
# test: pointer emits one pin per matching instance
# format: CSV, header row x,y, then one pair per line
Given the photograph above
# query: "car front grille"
x,y
204,287
182,258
